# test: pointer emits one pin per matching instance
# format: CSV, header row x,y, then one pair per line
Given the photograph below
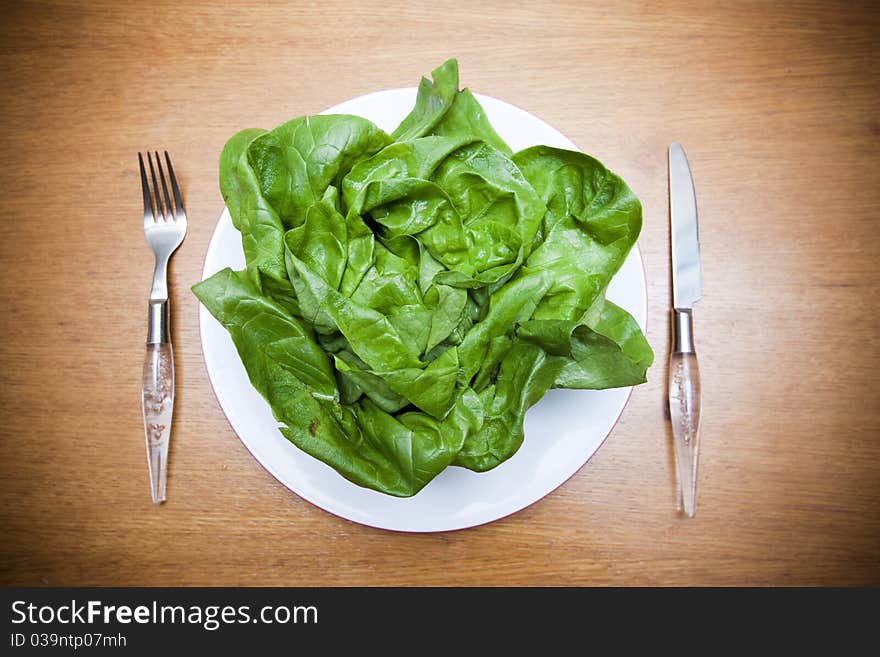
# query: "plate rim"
x,y
205,317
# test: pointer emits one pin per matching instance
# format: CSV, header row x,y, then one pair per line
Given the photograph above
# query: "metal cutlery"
x,y
164,228
684,371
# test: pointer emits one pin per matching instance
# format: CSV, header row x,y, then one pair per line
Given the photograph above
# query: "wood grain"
x,y
778,108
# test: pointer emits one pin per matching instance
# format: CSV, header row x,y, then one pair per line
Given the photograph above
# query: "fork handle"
x,y
157,397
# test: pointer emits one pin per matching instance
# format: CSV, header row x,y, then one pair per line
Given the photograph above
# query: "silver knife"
x,y
684,372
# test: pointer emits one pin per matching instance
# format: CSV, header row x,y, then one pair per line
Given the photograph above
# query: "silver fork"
x,y
164,228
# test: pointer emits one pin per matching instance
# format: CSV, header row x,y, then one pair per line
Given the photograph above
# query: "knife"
x,y
684,372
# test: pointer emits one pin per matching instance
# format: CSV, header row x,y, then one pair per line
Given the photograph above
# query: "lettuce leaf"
x,y
408,297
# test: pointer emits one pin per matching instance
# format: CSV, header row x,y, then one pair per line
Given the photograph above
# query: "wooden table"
x,y
779,109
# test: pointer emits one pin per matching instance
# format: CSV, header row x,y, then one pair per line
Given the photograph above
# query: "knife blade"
x,y
684,371
686,275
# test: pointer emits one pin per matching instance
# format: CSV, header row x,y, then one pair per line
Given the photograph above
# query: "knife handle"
x,y
684,407
158,405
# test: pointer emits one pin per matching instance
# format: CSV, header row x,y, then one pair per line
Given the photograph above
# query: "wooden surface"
x,y
779,110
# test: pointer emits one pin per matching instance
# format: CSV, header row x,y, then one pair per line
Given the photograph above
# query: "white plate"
x,y
562,431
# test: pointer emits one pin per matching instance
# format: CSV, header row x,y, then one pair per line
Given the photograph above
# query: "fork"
x,y
164,228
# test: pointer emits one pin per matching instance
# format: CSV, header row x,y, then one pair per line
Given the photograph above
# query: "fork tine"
x,y
160,212
178,201
145,187
171,210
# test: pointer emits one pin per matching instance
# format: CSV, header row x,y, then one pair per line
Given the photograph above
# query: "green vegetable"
x,y
408,297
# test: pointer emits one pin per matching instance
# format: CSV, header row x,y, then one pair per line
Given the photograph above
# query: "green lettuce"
x,y
408,297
